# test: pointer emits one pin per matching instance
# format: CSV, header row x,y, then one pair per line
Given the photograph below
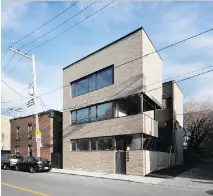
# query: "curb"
x,y
103,177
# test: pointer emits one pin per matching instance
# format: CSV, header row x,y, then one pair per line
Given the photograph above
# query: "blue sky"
x,y
164,22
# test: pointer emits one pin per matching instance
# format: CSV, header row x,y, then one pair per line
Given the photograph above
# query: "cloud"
x,y
49,81
10,16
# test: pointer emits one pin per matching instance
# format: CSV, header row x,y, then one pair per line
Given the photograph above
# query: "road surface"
x,y
15,183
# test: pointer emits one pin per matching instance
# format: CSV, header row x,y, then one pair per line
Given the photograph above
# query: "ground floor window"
x,y
102,143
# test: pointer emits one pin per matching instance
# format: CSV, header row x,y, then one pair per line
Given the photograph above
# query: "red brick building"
x,y
23,134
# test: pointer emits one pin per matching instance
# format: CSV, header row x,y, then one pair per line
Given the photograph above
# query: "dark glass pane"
x,y
104,78
83,115
83,145
74,146
105,144
104,111
92,82
82,86
74,89
93,144
93,113
74,117
30,129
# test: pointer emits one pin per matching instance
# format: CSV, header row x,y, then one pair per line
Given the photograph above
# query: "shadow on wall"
x,y
67,132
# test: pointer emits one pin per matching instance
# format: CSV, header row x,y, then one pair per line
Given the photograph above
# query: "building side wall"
x,y
179,136
100,161
5,133
152,70
134,163
178,104
127,74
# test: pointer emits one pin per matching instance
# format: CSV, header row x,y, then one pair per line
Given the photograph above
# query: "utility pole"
x,y
38,141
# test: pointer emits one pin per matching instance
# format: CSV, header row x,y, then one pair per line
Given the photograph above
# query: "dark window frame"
x,y
90,144
88,77
96,115
17,132
30,136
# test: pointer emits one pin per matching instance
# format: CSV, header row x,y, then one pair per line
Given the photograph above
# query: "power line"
x,y
57,26
146,56
178,76
4,54
138,59
181,41
185,79
14,66
11,88
71,108
149,90
8,62
70,27
46,23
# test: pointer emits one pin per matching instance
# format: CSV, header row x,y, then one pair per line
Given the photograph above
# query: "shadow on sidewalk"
x,y
171,172
210,192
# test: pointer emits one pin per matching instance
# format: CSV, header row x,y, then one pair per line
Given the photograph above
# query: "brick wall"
x,y
101,161
134,163
45,127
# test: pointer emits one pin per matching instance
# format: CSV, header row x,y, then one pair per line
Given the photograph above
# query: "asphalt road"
x,y
51,184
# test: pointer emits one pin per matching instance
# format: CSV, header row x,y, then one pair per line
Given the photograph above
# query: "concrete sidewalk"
x,y
199,178
187,180
130,178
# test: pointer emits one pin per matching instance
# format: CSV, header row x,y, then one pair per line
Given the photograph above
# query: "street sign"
x,y
38,133
38,138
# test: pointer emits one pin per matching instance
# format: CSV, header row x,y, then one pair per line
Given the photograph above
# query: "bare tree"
x,y
198,124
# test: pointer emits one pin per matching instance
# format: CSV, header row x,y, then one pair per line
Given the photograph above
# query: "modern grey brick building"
x,y
110,101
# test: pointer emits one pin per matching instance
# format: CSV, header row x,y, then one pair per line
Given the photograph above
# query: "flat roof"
x,y
40,114
172,82
140,28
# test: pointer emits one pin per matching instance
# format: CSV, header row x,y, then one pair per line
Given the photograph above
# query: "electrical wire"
x,y
156,88
138,59
70,27
4,54
143,57
45,23
71,108
8,62
13,67
11,88
57,26
181,41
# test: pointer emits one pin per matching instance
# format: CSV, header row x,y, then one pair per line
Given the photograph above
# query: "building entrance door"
x,y
120,155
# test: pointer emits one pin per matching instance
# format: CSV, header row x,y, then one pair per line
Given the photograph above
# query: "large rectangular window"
x,y
104,78
102,143
104,111
94,113
83,115
82,144
93,82
105,143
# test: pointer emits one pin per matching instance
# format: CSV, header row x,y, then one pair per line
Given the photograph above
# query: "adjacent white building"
x,y
5,133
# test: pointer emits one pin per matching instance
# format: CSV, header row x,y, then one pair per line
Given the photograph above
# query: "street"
x,y
52,184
